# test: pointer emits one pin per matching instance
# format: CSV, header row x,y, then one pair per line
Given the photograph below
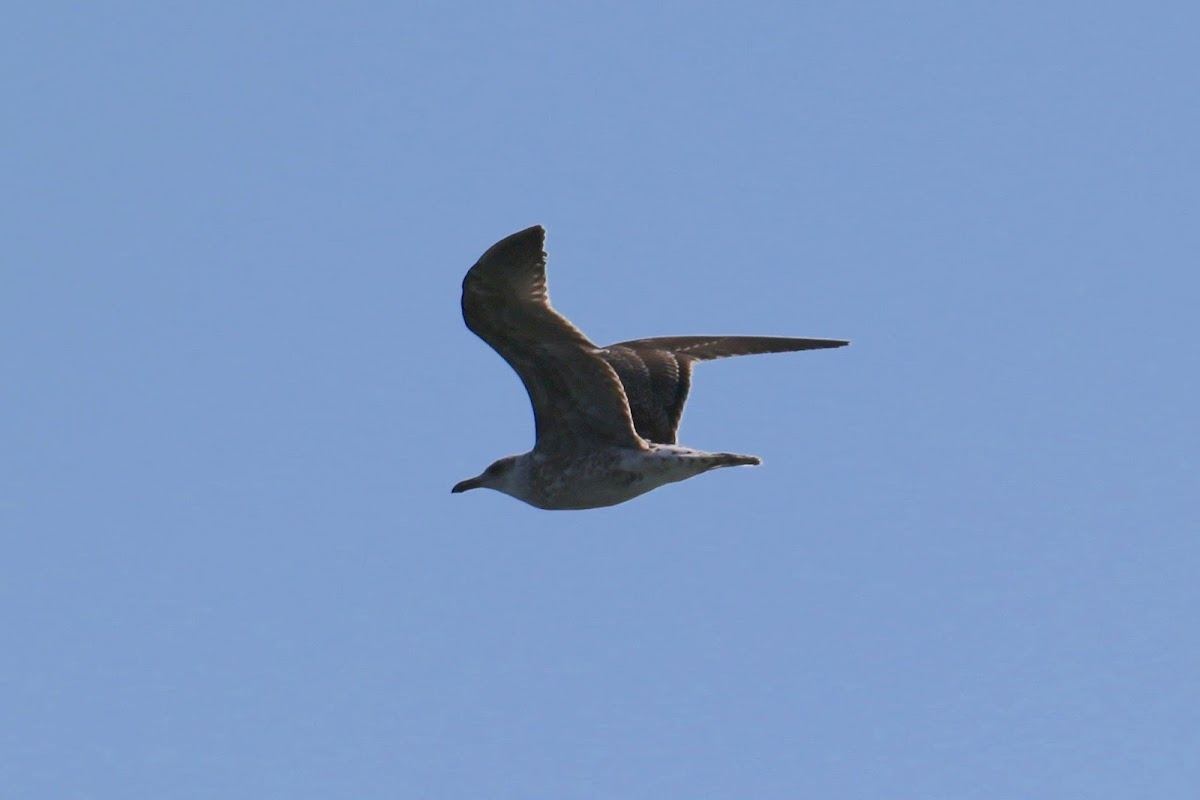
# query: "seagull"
x,y
605,417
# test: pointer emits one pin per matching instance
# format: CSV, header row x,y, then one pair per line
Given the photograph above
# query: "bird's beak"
x,y
469,483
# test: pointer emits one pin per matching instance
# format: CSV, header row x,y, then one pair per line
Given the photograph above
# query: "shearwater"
x,y
605,417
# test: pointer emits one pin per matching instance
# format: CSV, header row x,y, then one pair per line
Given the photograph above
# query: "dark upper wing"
x,y
574,393
657,373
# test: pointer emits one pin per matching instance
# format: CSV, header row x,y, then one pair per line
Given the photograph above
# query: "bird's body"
x,y
606,417
605,476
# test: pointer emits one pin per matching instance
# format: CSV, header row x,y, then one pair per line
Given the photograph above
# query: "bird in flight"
x,y
605,417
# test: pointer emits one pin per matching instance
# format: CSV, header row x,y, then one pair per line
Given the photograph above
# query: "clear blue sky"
x,y
238,391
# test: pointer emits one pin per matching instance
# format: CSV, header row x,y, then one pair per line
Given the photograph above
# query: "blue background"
x,y
238,390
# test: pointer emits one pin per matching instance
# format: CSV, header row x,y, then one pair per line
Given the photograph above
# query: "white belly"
x,y
614,476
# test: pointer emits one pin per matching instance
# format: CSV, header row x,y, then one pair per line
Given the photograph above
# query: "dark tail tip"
x,y
735,460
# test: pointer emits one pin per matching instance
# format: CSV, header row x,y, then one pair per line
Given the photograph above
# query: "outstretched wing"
x,y
657,372
576,395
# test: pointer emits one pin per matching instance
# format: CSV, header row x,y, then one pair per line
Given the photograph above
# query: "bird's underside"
x,y
606,417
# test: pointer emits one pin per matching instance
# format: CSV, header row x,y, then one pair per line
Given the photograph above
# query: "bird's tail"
x,y
733,460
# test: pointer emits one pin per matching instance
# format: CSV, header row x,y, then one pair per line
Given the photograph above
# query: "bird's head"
x,y
498,476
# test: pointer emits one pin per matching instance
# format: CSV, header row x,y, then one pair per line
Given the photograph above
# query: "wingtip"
x,y
520,239
532,230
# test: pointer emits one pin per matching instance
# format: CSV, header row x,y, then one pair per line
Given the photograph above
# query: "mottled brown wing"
x,y
576,395
657,372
